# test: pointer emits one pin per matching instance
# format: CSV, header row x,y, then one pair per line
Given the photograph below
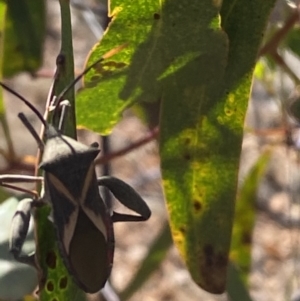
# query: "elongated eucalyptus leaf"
x,y
196,167
24,36
9,154
55,283
201,122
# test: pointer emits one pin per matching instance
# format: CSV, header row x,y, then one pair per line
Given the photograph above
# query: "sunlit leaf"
x,y
178,53
117,83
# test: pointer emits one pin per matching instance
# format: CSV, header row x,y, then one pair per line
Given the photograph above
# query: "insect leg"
x,y
128,197
19,179
19,230
32,131
6,180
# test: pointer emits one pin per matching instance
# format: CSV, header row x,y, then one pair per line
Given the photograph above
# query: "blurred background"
x,y
272,123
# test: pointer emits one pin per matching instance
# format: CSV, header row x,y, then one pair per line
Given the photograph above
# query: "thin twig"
x,y
272,44
148,138
281,63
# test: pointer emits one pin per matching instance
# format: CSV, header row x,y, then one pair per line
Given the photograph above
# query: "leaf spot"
x,y
182,229
50,286
63,282
209,254
187,156
51,260
156,16
197,206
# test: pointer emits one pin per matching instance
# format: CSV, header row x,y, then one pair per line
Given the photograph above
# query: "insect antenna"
x,y
32,131
77,79
28,104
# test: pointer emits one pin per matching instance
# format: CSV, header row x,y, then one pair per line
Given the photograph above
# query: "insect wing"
x,y
85,235
82,222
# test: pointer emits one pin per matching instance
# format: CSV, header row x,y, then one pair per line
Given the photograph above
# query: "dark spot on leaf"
x,y
95,78
187,141
221,260
215,269
182,229
246,238
60,60
209,254
197,206
95,145
156,16
187,156
51,260
63,282
18,48
50,286
54,299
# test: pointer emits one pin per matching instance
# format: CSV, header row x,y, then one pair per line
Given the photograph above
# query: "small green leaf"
x,y
65,72
240,252
292,40
236,289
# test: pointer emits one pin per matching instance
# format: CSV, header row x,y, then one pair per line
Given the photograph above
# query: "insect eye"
x,y
95,145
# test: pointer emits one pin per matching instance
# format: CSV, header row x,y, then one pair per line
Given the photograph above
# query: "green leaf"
x,y
236,289
109,87
198,58
55,282
240,252
65,72
196,166
292,40
3,9
9,154
202,120
24,36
